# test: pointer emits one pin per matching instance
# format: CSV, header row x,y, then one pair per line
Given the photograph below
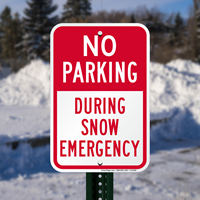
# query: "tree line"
x,y
29,37
171,36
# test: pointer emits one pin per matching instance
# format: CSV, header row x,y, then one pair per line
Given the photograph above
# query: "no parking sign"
x,y
99,97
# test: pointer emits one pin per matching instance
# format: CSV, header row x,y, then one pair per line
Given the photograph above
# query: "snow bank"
x,y
30,86
181,125
174,94
185,66
171,88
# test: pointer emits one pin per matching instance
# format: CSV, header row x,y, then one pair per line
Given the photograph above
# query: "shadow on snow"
x,y
180,131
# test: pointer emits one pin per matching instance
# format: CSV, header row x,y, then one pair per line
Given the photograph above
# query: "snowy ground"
x,y
22,122
174,170
173,173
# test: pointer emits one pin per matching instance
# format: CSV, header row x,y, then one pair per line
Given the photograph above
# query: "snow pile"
x,y
181,125
185,66
171,88
175,95
30,86
174,85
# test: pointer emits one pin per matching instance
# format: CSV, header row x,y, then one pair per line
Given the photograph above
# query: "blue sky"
x,y
168,6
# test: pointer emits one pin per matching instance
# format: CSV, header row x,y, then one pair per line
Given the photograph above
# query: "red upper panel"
x,y
130,46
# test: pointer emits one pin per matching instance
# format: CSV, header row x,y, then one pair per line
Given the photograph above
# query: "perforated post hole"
x,y
99,186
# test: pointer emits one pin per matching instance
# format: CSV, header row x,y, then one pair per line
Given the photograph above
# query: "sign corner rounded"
x,y
55,28
144,28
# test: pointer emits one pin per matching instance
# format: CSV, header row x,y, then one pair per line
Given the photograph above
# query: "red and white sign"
x,y
99,97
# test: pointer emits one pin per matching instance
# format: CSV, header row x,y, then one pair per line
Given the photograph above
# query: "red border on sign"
x,y
96,166
145,122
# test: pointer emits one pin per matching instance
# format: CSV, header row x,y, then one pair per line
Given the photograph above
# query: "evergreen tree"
x,y
133,18
176,35
197,17
8,33
17,32
178,30
76,10
156,24
37,25
178,21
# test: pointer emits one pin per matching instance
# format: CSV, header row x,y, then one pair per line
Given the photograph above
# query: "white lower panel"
x,y
128,132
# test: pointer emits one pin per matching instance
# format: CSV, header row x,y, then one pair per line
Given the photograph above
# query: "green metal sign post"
x,y
99,186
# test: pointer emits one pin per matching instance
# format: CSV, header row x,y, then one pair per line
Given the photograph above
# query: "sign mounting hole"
x,y
100,33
